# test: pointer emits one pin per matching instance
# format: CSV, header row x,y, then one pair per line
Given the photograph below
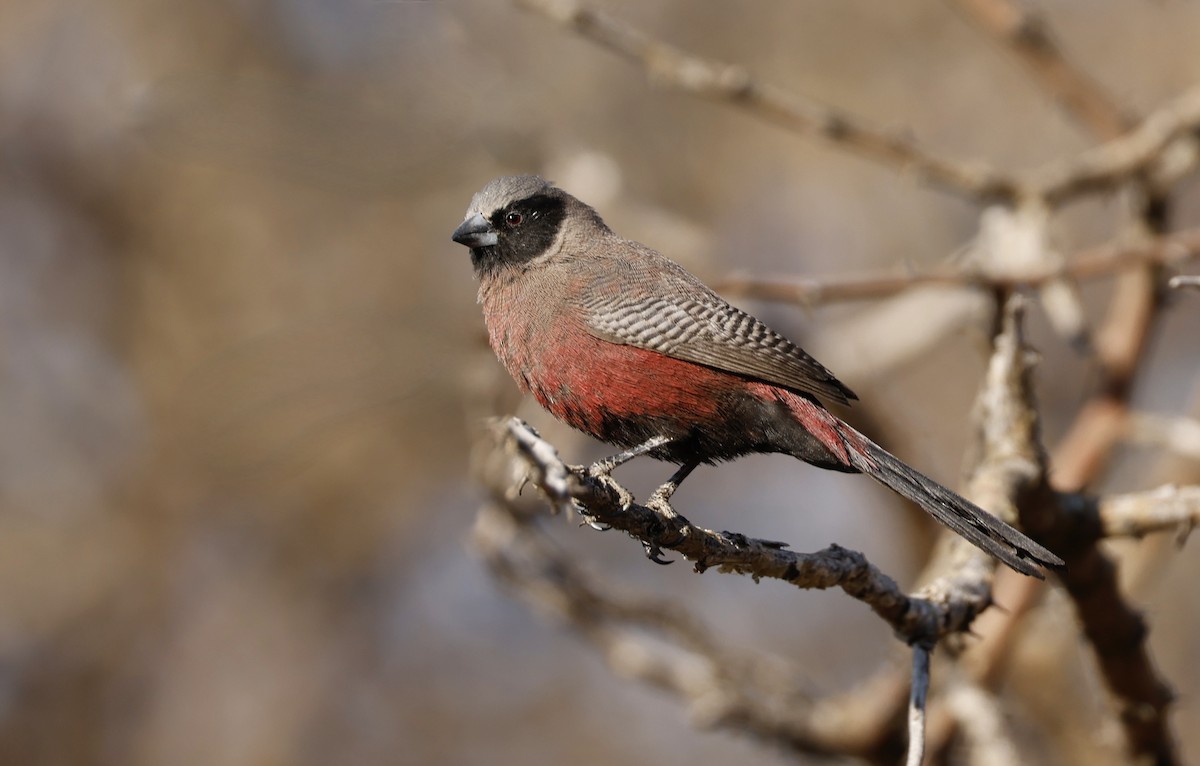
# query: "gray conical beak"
x,y
475,232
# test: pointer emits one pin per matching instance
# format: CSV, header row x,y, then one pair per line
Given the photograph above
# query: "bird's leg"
x,y
608,464
661,499
601,470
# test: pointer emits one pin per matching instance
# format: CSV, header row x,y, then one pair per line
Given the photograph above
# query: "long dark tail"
x,y
979,527
824,440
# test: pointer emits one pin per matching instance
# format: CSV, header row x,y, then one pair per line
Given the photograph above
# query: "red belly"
x,y
589,382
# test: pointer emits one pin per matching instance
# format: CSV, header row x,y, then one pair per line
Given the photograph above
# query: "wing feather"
x,y
676,315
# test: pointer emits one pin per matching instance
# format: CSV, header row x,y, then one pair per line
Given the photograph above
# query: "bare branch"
x,y
659,643
1013,465
1161,148
1091,263
671,67
1126,158
1031,40
1179,435
947,608
1140,513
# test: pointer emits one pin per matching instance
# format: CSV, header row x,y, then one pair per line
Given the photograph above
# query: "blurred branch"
x,y
1094,262
1116,631
1123,158
1134,149
1129,157
977,713
671,67
1031,40
1140,513
722,688
1179,435
1182,282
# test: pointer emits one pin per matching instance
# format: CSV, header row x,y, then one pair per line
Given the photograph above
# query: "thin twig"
x,y
916,705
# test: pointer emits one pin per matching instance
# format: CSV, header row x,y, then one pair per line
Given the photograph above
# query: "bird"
x,y
622,343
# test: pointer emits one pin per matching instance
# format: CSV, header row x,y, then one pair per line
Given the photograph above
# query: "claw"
x,y
654,553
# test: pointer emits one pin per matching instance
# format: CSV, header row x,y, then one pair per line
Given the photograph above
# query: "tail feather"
x,y
976,525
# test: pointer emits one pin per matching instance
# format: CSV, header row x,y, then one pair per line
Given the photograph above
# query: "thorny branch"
x,y
721,687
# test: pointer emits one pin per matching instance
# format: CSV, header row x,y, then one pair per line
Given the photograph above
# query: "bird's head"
x,y
512,221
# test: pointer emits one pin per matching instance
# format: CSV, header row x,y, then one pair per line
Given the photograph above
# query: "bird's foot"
x,y
601,473
660,501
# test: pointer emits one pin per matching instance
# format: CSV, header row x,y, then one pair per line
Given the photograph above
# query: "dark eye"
x,y
513,218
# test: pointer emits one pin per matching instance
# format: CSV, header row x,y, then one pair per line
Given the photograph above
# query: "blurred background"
x,y
241,364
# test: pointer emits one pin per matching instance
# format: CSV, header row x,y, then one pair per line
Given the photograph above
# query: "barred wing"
x,y
698,326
